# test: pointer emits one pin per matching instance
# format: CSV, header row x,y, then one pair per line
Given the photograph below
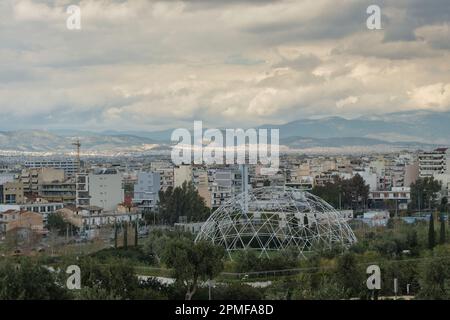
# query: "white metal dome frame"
x,y
275,218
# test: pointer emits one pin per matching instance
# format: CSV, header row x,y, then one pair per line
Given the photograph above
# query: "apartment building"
x,y
13,193
225,183
32,178
146,190
166,173
201,182
434,162
69,166
102,188
182,174
58,191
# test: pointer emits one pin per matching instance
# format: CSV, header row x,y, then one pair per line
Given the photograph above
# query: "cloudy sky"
x,y
150,65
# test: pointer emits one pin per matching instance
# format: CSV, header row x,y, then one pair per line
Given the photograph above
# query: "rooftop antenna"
x,y
77,144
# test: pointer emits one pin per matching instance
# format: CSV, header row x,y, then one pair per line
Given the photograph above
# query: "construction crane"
x,y
78,145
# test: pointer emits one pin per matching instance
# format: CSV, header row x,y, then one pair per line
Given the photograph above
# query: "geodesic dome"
x,y
275,218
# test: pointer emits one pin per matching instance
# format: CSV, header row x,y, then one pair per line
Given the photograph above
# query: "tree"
x,y
434,275
182,201
136,234
29,280
444,205
55,222
349,277
347,193
113,279
355,192
125,235
424,193
330,192
431,233
193,262
116,232
442,235
237,291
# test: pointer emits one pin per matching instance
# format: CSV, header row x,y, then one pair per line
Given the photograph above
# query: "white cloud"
x,y
152,64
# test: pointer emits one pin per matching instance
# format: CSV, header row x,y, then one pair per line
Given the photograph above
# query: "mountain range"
x,y
418,129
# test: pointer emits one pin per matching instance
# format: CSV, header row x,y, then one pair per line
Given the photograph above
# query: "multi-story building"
x,y
13,193
181,174
411,173
69,166
146,191
166,173
200,179
434,162
225,183
58,191
401,196
32,178
4,178
101,188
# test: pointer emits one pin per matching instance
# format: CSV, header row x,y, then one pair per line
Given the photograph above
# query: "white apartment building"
x,y
225,183
434,163
101,188
70,166
146,190
370,178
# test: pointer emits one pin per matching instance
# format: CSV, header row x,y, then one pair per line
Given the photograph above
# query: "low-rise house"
x,y
17,219
88,217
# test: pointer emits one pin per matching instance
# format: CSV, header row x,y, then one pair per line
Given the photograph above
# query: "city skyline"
x,y
148,65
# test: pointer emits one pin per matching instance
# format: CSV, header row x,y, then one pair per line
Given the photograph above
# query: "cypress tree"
x,y
125,235
442,239
115,235
136,234
431,235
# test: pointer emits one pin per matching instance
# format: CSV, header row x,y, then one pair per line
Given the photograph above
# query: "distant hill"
x,y
421,126
419,129
44,141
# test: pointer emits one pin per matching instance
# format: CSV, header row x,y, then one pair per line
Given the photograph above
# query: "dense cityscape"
x,y
129,209
215,159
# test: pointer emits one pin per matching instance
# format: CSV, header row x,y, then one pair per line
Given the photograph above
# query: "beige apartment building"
x,y
32,178
13,193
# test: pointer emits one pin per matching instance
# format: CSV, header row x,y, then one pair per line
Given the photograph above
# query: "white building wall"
x,y
105,190
181,174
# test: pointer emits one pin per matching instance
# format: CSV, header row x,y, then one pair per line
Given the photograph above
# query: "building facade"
x,y
146,190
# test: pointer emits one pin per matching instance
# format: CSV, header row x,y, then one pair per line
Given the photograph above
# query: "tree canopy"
x,y
424,193
193,262
344,193
182,201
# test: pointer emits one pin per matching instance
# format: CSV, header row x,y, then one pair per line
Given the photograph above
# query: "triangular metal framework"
x,y
277,218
